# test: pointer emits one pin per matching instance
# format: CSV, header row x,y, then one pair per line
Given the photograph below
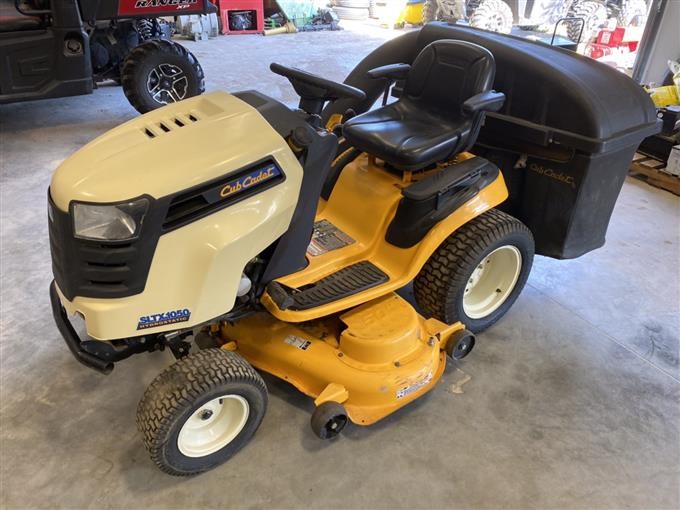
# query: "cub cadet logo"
x,y
163,319
549,172
180,4
249,181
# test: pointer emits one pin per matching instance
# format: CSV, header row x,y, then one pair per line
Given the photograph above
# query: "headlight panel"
x,y
109,222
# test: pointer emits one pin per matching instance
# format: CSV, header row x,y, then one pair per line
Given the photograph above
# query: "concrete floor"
x,y
571,401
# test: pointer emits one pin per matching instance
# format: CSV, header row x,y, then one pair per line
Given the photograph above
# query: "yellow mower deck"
x,y
373,359
363,203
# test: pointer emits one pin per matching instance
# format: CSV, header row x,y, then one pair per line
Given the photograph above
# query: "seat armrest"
x,y
390,71
489,101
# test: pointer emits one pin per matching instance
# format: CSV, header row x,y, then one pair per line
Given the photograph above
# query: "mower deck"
x,y
373,359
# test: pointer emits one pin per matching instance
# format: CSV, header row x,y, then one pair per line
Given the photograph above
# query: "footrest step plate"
x,y
345,282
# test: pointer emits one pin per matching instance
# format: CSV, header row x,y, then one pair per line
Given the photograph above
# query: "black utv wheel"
x,y
200,411
477,273
430,11
594,16
494,15
160,72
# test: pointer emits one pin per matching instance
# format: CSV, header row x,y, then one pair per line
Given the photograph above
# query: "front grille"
x,y
99,269
119,269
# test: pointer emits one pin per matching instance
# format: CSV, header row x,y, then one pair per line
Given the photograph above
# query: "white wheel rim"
x,y
492,281
213,426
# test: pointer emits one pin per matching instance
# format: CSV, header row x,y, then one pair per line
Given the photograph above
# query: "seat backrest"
x,y
446,73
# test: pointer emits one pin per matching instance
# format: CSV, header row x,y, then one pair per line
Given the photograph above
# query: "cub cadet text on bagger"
x,y
283,253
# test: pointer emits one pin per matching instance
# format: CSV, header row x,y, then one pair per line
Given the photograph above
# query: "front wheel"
x,y
160,72
200,411
594,15
478,272
494,15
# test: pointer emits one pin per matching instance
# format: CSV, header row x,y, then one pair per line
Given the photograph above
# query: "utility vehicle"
x,y
279,241
54,48
502,15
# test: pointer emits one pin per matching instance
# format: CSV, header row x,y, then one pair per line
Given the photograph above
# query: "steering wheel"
x,y
314,90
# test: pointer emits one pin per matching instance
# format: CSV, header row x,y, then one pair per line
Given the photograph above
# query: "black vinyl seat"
x,y
447,91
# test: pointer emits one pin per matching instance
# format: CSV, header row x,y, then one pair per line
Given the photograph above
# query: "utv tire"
x,y
494,15
351,13
632,13
200,411
356,4
160,72
430,11
477,273
595,15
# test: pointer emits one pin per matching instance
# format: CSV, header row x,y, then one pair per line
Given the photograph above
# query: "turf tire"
x,y
439,287
180,390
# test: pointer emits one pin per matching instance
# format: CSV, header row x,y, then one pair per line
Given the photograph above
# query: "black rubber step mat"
x,y
349,280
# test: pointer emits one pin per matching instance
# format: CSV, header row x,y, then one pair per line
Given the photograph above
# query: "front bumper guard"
x,y
71,338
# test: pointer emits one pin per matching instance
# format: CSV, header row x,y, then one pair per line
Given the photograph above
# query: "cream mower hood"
x,y
197,266
176,147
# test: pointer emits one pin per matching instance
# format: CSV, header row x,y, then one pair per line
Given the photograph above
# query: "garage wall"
x,y
662,44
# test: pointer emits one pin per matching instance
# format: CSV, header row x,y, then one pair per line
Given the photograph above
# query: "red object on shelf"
x,y
611,38
255,6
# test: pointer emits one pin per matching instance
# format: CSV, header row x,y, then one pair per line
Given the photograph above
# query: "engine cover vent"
x,y
165,126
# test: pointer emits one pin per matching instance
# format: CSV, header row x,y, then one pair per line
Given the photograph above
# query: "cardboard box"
x,y
673,164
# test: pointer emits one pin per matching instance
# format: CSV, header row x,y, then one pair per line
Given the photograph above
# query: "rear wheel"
x,y
356,4
632,13
477,273
351,13
494,15
200,411
160,72
430,11
594,15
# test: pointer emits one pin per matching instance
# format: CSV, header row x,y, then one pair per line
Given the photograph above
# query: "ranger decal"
x,y
157,7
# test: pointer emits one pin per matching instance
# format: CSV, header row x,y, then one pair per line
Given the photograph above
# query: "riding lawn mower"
x,y
56,48
279,242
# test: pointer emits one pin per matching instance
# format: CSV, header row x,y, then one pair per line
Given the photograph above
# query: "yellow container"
x,y
665,96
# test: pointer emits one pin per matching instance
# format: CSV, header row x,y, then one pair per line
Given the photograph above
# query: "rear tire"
x,y
351,13
160,72
632,13
430,11
477,273
355,4
200,411
595,15
494,15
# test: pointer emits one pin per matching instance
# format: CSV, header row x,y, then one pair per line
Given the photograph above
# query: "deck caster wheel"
x,y
200,411
329,419
460,344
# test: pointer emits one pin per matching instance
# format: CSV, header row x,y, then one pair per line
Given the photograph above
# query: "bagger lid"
x,y
552,94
